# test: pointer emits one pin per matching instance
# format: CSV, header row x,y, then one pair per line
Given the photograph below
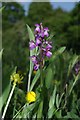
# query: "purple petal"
x,y
44,49
41,34
37,28
36,66
38,41
46,29
32,45
33,58
46,33
48,54
37,25
48,47
40,24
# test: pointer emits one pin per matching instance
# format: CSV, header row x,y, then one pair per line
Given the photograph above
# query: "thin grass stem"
x,y
8,101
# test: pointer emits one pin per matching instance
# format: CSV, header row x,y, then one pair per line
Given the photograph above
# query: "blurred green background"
x,y
64,25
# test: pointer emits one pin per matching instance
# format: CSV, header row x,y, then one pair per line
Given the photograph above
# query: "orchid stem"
x,y
41,77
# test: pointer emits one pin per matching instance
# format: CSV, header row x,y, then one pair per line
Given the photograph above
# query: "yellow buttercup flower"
x,y
31,97
16,78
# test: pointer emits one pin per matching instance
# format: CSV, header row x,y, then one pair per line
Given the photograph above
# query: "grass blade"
x,y
35,80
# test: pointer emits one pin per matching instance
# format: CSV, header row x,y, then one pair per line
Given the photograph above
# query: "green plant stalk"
x,y
74,84
39,115
28,87
29,77
18,112
8,101
42,92
14,104
41,70
41,77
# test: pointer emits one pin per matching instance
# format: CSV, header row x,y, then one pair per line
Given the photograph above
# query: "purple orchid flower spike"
x,y
44,46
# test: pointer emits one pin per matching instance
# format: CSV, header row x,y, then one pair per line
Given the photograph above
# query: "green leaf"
x,y
51,111
40,109
58,114
50,37
4,96
73,61
57,101
71,115
1,100
1,66
61,50
52,99
24,111
1,55
61,98
48,78
6,89
58,52
32,52
27,110
2,8
31,35
76,79
35,79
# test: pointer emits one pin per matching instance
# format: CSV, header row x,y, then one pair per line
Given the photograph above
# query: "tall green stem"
x,y
41,76
41,70
29,77
28,87
8,101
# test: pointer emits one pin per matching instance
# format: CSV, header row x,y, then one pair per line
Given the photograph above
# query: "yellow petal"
x,y
31,97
